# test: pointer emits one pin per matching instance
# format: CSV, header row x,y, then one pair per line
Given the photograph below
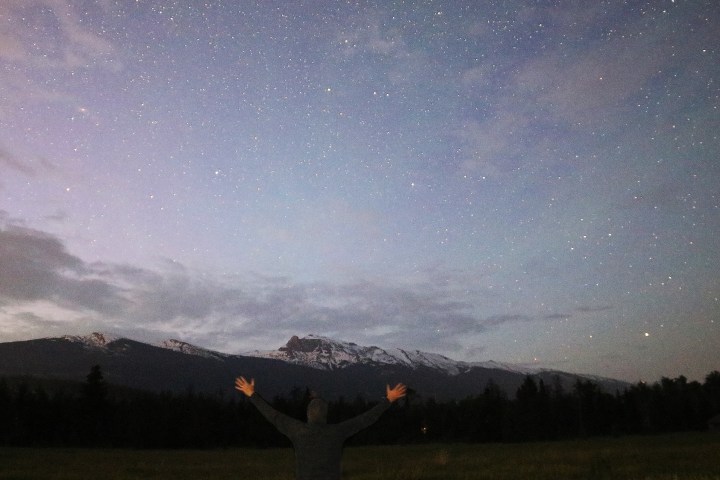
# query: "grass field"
x,y
669,457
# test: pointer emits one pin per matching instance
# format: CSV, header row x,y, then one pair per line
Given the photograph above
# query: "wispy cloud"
x,y
10,162
29,167
665,198
591,309
35,267
568,90
496,320
49,34
46,39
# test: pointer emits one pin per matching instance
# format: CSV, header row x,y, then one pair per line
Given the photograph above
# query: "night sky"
x,y
531,182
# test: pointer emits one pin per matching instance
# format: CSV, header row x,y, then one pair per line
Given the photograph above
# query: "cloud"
x,y
492,147
36,269
591,309
569,89
365,35
22,325
393,50
665,197
8,161
59,216
49,34
497,320
592,83
588,88
45,40
366,312
35,266
32,321
435,310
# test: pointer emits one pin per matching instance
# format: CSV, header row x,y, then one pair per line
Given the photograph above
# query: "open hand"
x,y
397,392
248,388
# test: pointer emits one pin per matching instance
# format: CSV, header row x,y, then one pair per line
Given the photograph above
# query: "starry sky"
x,y
531,182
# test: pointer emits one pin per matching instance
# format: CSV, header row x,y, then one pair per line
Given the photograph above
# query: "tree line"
x,y
99,415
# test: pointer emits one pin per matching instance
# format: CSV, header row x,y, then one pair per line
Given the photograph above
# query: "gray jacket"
x,y
318,445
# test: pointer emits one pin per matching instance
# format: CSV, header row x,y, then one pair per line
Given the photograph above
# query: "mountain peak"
x,y
95,339
313,343
436,374
328,354
307,344
184,347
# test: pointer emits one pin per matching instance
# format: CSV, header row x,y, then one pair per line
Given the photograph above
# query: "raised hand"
x,y
396,392
248,388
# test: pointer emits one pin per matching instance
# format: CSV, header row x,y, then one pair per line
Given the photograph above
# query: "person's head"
x,y
317,411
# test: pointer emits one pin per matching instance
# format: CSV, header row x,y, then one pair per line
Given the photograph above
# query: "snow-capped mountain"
x,y
332,367
95,339
184,347
104,341
327,354
324,353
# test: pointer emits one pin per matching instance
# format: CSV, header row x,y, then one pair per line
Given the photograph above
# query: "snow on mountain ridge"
x,y
187,348
323,353
95,339
328,354
102,340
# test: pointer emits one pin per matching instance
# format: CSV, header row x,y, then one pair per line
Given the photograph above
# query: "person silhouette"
x,y
318,445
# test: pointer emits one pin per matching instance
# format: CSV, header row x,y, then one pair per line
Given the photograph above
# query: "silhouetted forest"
x,y
99,415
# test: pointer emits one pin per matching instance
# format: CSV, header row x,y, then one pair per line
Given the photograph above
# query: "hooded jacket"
x,y
318,445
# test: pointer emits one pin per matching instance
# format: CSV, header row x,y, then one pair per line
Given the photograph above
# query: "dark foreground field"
x,y
669,457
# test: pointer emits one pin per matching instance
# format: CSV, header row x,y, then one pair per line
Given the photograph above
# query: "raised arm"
x,y
364,420
285,424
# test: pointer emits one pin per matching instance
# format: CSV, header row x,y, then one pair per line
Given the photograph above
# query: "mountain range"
x,y
329,367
